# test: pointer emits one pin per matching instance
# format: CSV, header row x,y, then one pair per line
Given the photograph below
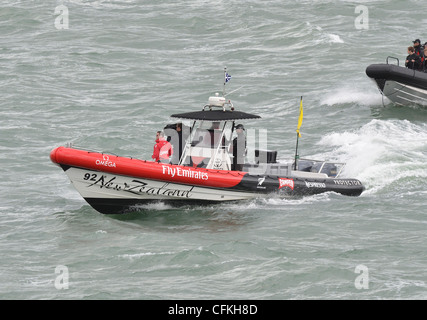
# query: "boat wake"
x,y
382,153
344,95
291,201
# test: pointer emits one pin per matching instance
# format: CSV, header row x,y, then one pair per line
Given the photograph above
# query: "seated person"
x,y
413,61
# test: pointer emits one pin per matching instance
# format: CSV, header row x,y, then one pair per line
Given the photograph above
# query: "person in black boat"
x,y
419,51
413,61
425,60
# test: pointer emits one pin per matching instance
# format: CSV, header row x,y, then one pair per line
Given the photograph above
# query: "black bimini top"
x,y
216,115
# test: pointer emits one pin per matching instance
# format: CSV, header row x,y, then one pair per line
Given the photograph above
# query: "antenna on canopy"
x,y
233,91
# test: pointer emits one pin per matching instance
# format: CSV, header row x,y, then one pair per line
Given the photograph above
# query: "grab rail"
x,y
392,58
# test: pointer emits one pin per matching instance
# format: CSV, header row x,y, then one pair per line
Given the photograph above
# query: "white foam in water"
x,y
352,95
334,38
155,206
143,254
117,4
276,200
322,37
380,152
280,201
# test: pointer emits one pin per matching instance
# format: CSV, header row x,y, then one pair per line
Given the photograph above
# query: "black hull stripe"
x,y
121,206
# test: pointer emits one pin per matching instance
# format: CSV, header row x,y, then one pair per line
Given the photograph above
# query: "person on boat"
x,y
413,61
162,149
419,51
425,55
183,134
208,138
239,148
177,134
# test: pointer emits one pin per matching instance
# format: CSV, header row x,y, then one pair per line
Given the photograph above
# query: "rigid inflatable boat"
x,y
203,172
399,84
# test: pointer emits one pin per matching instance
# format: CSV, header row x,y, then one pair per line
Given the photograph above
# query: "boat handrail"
x,y
393,58
321,161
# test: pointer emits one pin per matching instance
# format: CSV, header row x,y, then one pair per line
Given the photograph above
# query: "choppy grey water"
x,y
106,75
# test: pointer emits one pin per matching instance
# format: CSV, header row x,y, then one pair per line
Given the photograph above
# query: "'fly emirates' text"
x,y
187,173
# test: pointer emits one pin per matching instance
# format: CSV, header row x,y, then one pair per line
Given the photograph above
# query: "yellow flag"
x,y
300,118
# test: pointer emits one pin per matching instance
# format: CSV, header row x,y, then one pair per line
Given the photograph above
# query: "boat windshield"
x,y
208,145
331,169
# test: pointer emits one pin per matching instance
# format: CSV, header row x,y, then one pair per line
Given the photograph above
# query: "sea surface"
x,y
105,75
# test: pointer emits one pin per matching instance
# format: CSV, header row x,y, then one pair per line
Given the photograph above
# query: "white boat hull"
x,y
96,187
404,95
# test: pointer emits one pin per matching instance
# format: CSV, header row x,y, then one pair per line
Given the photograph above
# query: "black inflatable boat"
x,y
399,84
